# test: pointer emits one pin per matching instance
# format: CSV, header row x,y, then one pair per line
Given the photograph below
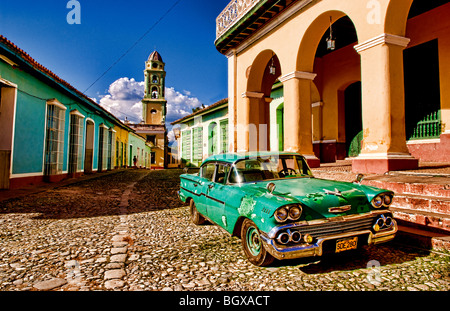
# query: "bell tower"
x,y
153,125
154,102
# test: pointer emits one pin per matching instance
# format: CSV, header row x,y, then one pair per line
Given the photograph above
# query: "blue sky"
x,y
196,71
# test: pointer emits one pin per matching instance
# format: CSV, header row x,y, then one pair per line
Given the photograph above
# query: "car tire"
x,y
196,217
253,245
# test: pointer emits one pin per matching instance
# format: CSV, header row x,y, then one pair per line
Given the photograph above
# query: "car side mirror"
x,y
270,187
359,178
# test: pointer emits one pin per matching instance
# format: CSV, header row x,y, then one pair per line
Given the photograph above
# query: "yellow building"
x,y
361,79
120,157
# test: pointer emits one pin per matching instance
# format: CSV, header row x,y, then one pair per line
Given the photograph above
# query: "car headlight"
x,y
383,199
387,200
295,212
281,214
288,212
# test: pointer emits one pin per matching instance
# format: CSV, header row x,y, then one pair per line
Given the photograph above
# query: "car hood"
x,y
319,195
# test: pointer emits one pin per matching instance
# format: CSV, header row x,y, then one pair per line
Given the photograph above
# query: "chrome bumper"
x,y
316,249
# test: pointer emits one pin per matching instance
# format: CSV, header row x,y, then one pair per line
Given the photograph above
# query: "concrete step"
x,y
422,203
423,238
427,186
427,220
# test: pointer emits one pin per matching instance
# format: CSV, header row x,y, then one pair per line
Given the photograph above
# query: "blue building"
x,y
48,130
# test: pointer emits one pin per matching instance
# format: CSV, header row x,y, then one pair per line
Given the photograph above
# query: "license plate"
x,y
347,244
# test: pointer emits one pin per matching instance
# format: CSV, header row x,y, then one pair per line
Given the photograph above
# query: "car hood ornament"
x,y
336,192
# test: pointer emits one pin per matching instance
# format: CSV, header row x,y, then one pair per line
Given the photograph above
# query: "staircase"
x,y
421,206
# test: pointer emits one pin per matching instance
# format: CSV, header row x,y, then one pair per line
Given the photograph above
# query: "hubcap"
x,y
253,241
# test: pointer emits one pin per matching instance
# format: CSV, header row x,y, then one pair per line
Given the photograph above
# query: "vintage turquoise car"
x,y
279,210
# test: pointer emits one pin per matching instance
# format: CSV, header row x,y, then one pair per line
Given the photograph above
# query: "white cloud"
x,y
125,95
179,105
124,99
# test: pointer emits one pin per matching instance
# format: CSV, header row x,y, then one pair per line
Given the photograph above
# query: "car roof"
x,y
233,157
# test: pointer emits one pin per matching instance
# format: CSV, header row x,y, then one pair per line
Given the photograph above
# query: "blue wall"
x,y
29,132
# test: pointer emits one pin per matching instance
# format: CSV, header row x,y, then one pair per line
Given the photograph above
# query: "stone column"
x,y
298,115
247,134
383,105
232,101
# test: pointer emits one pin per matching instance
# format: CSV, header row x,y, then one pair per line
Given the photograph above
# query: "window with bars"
x,y
76,142
197,143
224,136
111,148
54,142
186,145
103,148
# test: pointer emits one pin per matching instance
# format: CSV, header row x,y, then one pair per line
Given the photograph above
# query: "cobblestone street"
x,y
128,231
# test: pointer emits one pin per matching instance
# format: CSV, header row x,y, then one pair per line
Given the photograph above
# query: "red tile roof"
x,y
215,105
38,67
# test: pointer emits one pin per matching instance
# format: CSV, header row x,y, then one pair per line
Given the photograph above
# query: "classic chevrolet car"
x,y
279,210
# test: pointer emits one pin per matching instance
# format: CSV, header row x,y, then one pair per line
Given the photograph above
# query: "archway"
x,y
263,73
423,77
89,147
334,69
314,43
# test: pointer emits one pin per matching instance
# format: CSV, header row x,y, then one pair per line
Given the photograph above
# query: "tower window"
x,y
153,111
151,139
155,92
155,79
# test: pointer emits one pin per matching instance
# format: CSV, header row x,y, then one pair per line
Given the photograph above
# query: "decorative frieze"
x,y
232,13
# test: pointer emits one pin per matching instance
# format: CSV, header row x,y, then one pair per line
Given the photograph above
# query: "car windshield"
x,y
269,167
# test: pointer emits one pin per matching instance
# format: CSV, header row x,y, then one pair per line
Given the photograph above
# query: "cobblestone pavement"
x,y
128,231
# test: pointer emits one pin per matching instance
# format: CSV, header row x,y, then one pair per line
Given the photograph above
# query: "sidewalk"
x,y
42,187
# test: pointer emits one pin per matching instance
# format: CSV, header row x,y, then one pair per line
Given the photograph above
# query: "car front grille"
x,y
337,227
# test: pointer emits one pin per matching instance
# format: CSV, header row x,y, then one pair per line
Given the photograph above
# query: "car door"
x,y
216,195
206,175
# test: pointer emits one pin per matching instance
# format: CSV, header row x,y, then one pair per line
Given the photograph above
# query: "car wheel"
x,y
196,217
253,245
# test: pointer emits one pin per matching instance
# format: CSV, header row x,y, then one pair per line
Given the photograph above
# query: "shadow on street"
x,y
100,197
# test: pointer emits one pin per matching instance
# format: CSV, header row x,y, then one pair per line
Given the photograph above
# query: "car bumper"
x,y
366,237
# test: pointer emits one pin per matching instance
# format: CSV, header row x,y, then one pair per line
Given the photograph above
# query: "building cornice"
x,y
384,38
302,75
252,95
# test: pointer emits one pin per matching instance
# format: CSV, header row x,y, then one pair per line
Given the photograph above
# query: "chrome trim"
x,y
316,249
290,235
390,220
298,239
279,238
340,209
273,233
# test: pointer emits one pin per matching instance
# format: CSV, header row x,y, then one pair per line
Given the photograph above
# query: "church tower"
x,y
154,103
153,125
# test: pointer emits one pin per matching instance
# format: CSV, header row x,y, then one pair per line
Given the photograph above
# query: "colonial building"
x,y
48,129
206,131
154,107
202,133
361,79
